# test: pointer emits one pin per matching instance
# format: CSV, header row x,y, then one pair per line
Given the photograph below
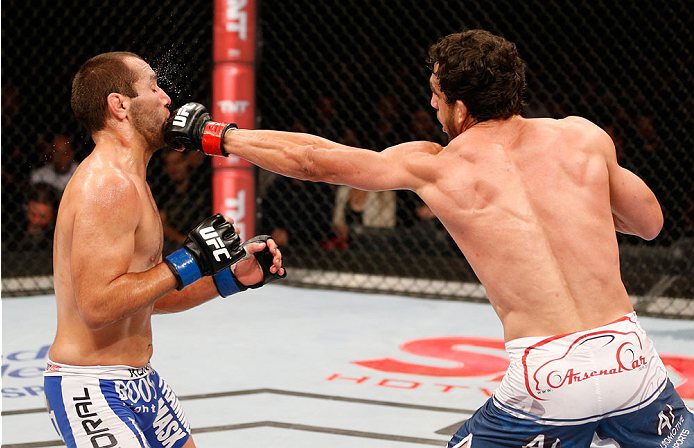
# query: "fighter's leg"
x,y
665,422
83,416
170,427
490,427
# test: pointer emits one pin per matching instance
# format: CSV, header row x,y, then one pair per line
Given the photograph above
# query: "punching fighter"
x,y
534,205
110,276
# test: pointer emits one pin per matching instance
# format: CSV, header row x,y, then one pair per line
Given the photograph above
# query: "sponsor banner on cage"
x,y
233,102
234,31
233,195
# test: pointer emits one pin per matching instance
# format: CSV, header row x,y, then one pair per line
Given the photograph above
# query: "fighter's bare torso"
x,y
100,185
528,203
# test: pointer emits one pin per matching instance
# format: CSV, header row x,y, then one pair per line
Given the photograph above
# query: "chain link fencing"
x,y
355,72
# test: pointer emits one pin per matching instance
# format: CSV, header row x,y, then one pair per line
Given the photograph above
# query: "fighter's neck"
x,y
128,154
497,130
495,123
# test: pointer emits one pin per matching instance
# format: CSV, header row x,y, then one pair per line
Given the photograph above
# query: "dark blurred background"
x,y
355,72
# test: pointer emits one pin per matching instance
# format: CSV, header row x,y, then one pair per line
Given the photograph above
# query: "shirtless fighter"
x,y
533,204
109,274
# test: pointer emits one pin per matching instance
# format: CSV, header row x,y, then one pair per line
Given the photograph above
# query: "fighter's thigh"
x,y
83,417
169,427
459,443
491,427
665,422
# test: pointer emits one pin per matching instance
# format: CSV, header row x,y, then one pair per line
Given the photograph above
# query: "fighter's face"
x,y
150,108
445,112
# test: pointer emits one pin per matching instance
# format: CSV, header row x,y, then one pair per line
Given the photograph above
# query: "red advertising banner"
x,y
233,195
234,31
233,98
233,94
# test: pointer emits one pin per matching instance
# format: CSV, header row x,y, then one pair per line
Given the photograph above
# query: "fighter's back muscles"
x,y
309,157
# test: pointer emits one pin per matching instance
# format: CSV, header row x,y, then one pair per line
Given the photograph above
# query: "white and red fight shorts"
x,y
606,385
582,377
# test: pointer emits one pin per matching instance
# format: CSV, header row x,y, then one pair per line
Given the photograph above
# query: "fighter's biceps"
x,y
99,259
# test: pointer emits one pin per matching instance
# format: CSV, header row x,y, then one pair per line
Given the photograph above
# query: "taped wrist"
x,y
213,138
227,283
184,268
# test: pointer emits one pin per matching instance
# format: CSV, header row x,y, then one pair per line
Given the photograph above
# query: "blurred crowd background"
x,y
354,71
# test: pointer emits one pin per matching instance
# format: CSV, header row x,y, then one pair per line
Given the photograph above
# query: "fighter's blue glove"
x,y
210,247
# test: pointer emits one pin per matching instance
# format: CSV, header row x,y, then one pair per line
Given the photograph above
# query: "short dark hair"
x,y
482,70
97,78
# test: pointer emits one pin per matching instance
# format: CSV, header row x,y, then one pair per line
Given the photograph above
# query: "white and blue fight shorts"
x,y
607,387
113,406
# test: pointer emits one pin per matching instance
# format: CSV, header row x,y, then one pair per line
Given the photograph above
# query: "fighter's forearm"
x,y
638,228
196,294
635,209
124,296
290,154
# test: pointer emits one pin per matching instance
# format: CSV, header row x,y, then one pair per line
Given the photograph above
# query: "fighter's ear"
x,y
461,110
118,105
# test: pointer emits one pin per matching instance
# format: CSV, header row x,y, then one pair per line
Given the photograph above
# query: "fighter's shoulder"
x,y
584,133
100,185
582,126
417,147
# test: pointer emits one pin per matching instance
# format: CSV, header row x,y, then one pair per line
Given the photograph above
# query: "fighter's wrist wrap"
x,y
227,283
211,247
213,138
184,268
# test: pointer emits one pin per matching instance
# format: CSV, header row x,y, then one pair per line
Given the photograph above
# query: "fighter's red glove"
x,y
191,128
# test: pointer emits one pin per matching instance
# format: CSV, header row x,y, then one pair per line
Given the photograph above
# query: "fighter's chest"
x,y
149,236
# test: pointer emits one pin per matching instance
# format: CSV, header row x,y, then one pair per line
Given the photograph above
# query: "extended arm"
x,y
302,156
309,157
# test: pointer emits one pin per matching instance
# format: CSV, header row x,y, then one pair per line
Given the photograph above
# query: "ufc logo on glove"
x,y
191,128
212,238
182,116
212,246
